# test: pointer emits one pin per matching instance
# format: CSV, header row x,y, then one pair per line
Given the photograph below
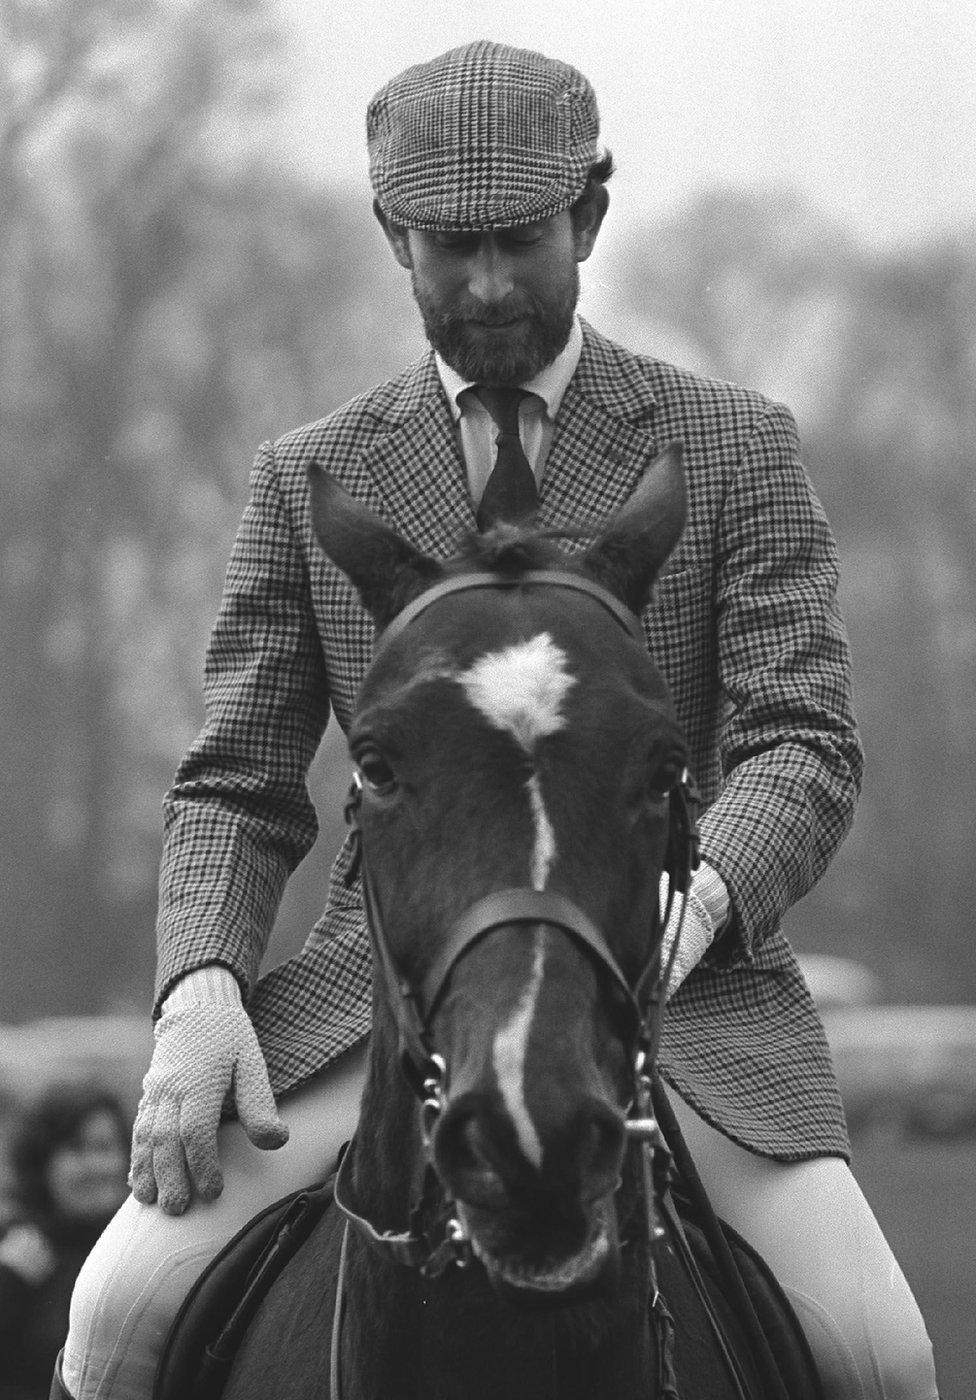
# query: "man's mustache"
x,y
497,313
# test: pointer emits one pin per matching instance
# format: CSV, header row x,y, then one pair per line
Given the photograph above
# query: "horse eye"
x,y
377,773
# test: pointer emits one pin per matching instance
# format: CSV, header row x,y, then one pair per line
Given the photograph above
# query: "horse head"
x,y
517,749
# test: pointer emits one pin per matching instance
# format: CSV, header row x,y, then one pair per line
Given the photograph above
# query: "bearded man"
x,y
491,189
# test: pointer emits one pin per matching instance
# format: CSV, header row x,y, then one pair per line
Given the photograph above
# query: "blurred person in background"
x,y
491,216
68,1155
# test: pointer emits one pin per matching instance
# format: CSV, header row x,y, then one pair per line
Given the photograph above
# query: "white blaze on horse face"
x,y
544,847
508,1055
521,690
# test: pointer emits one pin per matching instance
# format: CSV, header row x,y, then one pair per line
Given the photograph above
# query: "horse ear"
x,y
385,569
631,551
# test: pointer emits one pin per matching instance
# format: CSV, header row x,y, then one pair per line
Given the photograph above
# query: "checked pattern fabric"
x,y
484,136
744,624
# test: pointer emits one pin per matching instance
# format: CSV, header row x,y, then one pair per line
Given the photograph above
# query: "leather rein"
x,y
431,1252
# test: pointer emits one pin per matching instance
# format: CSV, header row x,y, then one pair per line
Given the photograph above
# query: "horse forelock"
x,y
531,664
513,549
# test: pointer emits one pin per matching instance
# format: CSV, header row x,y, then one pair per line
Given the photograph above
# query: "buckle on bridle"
x,y
432,1101
454,1249
350,810
641,1127
684,843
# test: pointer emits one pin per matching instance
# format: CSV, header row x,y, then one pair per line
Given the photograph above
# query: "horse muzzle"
x,y
541,1225
531,1279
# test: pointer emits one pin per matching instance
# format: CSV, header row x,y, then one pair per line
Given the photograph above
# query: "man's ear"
x,y
396,236
587,218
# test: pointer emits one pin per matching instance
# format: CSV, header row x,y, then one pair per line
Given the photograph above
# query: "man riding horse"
x,y
491,189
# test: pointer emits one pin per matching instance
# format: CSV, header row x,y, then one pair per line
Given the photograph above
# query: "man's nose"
x,y
490,278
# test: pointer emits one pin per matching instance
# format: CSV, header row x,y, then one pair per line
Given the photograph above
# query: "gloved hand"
x,y
706,911
204,1047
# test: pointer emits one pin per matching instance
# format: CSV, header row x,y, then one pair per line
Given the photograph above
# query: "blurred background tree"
x,y
170,299
173,294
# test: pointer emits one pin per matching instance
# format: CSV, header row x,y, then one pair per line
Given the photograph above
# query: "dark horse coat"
x,y
744,626
293,1318
519,942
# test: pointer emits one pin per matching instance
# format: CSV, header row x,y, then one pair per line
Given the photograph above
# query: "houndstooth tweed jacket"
x,y
744,624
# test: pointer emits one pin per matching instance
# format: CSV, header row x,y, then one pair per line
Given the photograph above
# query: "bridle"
x,y
414,1007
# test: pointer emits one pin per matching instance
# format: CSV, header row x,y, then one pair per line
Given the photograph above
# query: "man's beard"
x,y
516,356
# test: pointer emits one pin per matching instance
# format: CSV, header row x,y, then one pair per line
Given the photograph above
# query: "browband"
x,y
548,578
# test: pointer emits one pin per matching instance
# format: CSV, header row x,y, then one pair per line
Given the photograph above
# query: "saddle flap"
x,y
216,1312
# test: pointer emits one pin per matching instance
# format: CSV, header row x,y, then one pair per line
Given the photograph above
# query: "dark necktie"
x,y
510,493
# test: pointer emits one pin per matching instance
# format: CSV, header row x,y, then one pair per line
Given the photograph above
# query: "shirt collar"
x,y
550,384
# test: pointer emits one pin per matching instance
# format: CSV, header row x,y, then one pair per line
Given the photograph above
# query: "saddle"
x,y
733,1292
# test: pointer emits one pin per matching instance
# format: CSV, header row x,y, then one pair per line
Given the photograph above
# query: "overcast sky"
x,y
868,106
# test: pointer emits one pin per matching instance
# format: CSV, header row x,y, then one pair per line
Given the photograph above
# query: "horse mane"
x,y
509,550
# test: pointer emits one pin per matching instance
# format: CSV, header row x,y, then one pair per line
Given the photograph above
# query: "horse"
x,y
502,1223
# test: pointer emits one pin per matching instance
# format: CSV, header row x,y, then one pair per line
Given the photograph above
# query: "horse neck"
x,y
387,1163
455,1339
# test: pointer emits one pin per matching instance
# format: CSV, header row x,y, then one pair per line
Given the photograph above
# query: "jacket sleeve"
x,y
239,817
790,752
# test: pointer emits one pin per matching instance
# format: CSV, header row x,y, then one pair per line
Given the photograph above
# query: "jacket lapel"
x,y
416,465
603,444
604,437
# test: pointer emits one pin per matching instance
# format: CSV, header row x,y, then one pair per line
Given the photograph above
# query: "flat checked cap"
x,y
485,136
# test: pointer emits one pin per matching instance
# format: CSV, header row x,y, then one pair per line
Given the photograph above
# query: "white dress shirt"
x,y
537,415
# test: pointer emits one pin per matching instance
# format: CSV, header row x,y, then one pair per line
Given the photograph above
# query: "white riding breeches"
x,y
809,1220
133,1282
815,1230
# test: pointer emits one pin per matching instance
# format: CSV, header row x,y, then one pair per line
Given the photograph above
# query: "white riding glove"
x,y
706,911
205,1046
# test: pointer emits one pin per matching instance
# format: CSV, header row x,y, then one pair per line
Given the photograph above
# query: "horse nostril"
x,y
464,1158
600,1150
472,1150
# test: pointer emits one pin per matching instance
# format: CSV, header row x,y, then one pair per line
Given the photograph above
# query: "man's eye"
x,y
377,773
457,242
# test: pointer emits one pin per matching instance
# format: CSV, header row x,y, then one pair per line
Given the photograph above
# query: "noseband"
x,y
414,1007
